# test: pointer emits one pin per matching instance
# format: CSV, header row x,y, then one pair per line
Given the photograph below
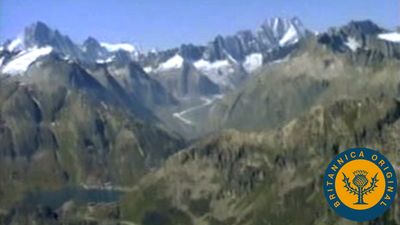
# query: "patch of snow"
x,y
353,44
230,57
175,62
66,57
392,37
108,60
253,62
275,25
101,61
218,72
291,37
16,44
119,46
148,69
23,60
105,106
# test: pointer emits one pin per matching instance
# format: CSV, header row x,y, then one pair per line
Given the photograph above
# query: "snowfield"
x,y
23,60
218,72
392,37
119,46
176,62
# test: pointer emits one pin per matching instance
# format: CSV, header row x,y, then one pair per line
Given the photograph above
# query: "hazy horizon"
x,y
161,25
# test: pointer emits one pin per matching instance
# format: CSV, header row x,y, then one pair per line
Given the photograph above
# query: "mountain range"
x,y
235,131
217,62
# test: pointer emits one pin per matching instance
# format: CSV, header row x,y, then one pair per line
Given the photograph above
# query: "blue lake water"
x,y
55,199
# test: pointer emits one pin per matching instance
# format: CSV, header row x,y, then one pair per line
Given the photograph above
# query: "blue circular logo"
x,y
360,184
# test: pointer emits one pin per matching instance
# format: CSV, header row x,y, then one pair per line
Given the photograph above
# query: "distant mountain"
x,y
62,125
76,116
39,35
176,77
346,62
169,78
226,61
111,64
365,38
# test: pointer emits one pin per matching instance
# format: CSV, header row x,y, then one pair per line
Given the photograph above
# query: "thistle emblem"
x,y
360,181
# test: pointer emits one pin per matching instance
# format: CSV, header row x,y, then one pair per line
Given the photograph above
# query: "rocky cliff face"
x,y
61,126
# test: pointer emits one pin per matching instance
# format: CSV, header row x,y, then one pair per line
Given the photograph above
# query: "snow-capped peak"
x,y
175,62
119,46
23,60
285,31
277,25
392,37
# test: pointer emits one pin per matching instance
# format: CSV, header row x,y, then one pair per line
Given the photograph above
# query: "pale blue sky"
x,y
168,23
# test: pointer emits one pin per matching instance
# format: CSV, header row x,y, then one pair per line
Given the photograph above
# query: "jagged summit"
x,y
227,59
280,25
91,41
366,27
362,37
39,35
286,31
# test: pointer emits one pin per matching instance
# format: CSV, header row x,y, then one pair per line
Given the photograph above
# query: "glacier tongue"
x,y
22,61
